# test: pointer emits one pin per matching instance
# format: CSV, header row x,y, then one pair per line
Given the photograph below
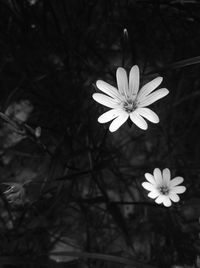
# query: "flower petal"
x,y
148,186
117,122
166,176
148,114
166,201
179,189
110,115
176,181
105,100
108,89
138,120
134,80
174,197
149,87
150,178
160,199
157,176
153,97
153,194
122,81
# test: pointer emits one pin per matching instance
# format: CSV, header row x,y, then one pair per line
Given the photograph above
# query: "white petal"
x,y
153,97
117,122
179,189
148,114
122,81
110,115
166,201
153,194
160,199
158,176
134,80
148,186
138,120
150,178
166,176
149,87
176,181
108,89
174,197
105,100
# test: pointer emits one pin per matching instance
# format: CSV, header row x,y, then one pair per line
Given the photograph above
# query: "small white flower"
x,y
128,101
162,187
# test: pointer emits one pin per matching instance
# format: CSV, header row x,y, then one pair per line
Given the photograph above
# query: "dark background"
x,y
78,187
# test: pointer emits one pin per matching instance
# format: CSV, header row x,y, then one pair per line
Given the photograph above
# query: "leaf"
x,y
177,65
105,257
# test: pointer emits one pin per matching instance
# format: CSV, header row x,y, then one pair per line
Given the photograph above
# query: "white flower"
x,y
162,187
128,101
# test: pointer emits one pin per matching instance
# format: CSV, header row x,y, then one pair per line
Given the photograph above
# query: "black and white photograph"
x,y
99,134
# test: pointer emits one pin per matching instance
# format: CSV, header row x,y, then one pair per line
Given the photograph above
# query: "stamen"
x,y
129,105
164,190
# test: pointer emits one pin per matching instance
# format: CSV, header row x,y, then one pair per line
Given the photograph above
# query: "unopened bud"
x,y
125,34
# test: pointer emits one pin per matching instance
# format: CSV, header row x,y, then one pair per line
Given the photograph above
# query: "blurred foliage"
x,y
75,186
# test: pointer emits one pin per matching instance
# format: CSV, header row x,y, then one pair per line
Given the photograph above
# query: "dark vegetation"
x,y
76,188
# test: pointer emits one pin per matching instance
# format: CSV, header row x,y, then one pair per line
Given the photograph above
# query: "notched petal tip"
x,y
138,120
146,100
135,67
156,170
98,82
166,173
148,186
167,205
99,120
144,127
166,170
118,122
179,189
148,114
105,100
184,189
147,174
112,130
176,181
119,69
165,91
94,96
159,80
143,184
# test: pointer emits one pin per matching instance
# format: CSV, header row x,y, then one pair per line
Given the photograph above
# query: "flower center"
x,y
164,190
129,105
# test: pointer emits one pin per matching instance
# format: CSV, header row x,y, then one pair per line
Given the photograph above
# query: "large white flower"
x,y
128,101
162,187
